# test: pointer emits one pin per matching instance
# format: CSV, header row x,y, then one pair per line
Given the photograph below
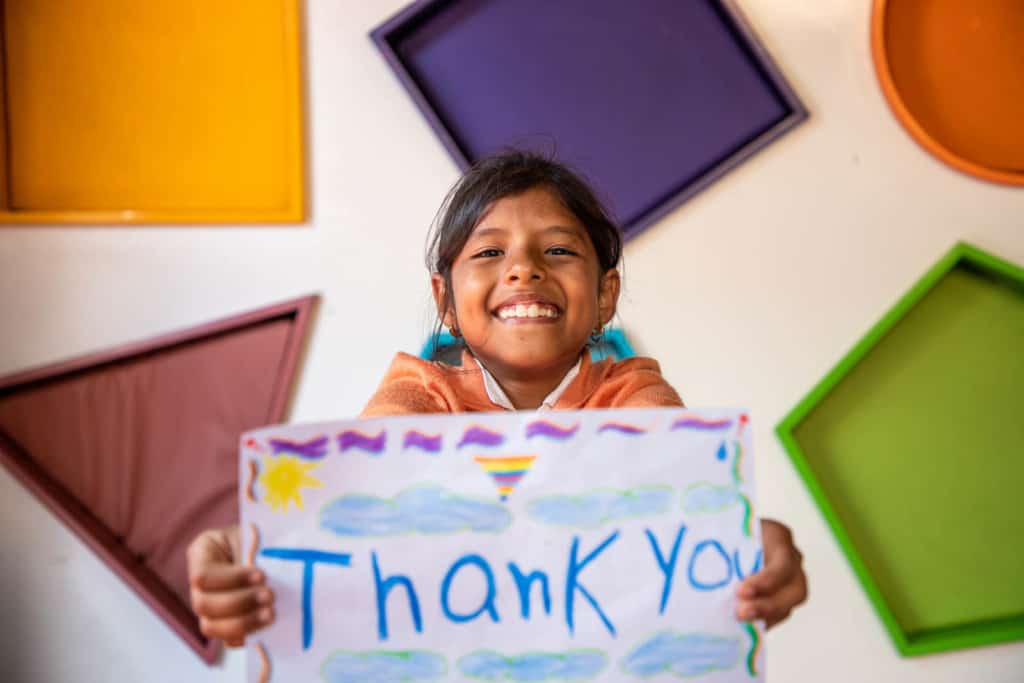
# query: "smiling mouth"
x,y
527,311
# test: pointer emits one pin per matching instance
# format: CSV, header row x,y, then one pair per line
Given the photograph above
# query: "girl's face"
x,y
527,290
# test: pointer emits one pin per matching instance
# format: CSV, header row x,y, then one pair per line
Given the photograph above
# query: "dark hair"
x,y
506,174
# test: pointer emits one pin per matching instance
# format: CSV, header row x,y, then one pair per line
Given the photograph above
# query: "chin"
x,y
526,362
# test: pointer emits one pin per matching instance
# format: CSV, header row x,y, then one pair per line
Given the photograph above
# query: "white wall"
x,y
748,294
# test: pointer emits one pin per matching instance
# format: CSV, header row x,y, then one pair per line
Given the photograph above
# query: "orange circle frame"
x,y
880,56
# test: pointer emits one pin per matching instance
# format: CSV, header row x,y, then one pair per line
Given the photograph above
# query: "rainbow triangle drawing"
x,y
506,471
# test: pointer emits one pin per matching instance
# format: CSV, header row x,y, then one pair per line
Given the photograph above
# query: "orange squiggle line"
x,y
254,546
264,663
250,493
260,649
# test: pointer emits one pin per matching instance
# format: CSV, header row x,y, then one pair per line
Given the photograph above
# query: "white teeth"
x,y
527,311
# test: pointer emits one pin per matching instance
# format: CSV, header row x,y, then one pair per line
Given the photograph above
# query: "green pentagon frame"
x,y
919,615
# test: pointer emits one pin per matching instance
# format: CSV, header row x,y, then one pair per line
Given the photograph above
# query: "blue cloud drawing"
x,y
598,507
374,667
427,509
707,497
682,654
575,665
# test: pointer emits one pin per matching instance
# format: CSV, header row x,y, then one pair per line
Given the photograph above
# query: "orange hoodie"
x,y
413,385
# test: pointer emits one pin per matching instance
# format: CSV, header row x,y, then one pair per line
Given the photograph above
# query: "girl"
x,y
523,263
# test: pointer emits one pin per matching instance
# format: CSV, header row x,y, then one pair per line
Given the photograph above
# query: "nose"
x,y
524,269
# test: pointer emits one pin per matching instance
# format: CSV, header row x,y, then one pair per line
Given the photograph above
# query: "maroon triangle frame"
x,y
77,516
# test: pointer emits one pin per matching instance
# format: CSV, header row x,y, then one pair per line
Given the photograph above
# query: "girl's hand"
x,y
772,593
230,600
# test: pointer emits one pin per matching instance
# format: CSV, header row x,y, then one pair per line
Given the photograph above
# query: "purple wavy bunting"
x,y
425,442
701,424
621,428
481,437
550,430
313,450
353,438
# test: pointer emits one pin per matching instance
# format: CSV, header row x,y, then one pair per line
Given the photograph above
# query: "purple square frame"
x,y
651,106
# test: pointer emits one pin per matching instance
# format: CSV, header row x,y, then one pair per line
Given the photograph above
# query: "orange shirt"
x,y
413,385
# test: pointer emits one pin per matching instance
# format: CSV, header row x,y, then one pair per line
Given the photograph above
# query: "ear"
x,y
445,313
608,295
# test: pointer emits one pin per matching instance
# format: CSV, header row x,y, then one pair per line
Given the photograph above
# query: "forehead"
x,y
537,207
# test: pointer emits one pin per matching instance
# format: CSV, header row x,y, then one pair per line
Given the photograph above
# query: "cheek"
x,y
583,308
584,289
470,288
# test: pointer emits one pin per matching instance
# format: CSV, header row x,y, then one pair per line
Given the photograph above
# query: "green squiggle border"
x,y
737,450
748,513
755,644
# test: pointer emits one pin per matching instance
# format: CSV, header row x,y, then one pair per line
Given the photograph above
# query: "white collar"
x,y
500,398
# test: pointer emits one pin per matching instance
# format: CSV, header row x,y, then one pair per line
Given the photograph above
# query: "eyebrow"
x,y
566,230
484,232
571,231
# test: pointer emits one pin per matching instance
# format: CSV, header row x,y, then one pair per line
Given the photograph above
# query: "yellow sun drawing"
x,y
282,478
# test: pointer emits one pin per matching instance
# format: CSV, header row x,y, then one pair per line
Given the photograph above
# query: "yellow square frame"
x,y
167,111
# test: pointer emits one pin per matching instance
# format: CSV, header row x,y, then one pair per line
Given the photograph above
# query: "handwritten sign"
x,y
560,546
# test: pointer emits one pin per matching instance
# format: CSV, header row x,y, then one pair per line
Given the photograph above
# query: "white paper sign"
x,y
599,545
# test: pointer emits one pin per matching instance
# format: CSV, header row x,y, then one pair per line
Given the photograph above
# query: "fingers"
x,y
233,603
232,630
772,593
782,562
778,572
774,608
230,600
224,577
